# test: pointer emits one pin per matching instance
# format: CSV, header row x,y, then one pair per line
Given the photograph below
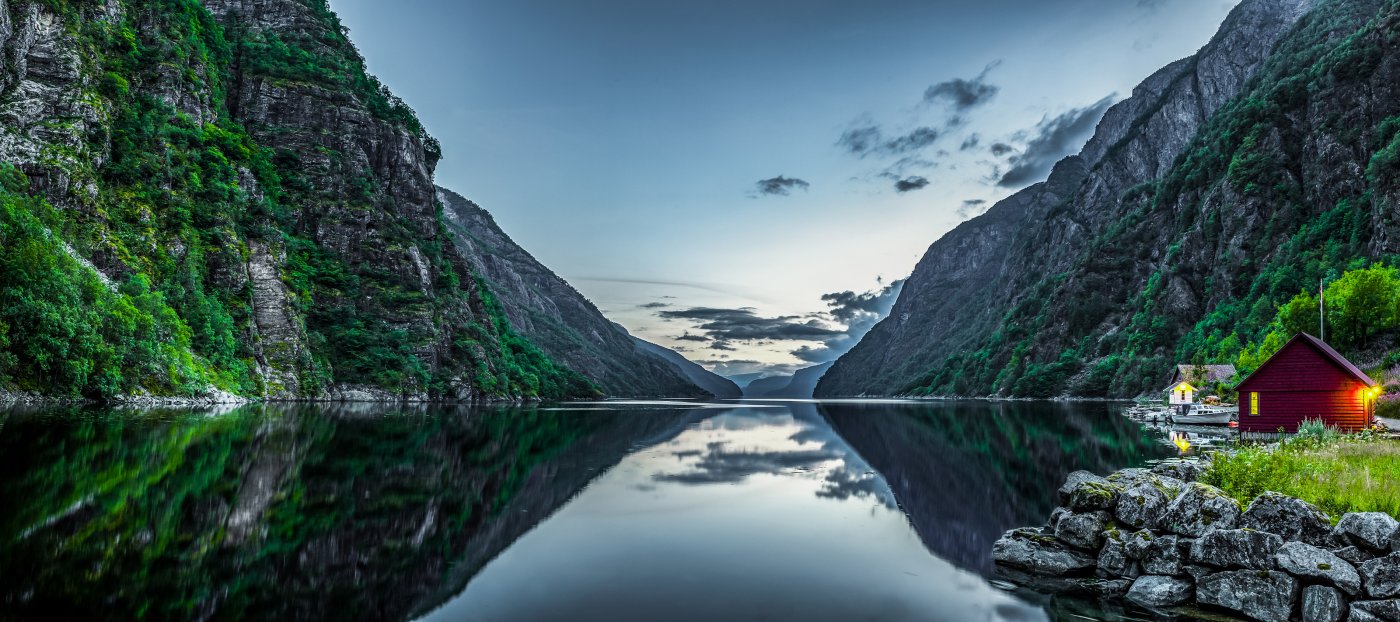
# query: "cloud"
x,y
970,142
867,140
964,95
745,325
1151,5
690,337
654,305
722,346
739,367
1000,149
780,186
721,466
910,183
1054,138
859,312
971,207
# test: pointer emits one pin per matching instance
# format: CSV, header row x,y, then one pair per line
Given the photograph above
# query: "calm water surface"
x,y
601,511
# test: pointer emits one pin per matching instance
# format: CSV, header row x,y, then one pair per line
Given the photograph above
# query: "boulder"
x,y
1165,555
1236,548
1198,509
1387,610
1141,505
1381,576
1185,470
1197,572
1073,480
1159,591
1091,495
1368,530
1290,517
1359,615
1136,543
1055,516
1259,594
1316,565
1109,588
1322,604
1353,555
1114,560
1082,531
1040,553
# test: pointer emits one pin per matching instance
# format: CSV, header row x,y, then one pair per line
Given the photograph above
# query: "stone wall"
x,y
1163,541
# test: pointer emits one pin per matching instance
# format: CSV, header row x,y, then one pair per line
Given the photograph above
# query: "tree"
x,y
1362,303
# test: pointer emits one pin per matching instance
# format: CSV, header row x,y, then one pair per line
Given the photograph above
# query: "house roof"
x,y
1322,348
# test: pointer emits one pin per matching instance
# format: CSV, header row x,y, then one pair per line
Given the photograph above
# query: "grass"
x,y
1336,472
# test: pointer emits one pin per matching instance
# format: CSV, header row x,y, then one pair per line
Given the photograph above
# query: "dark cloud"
x,y
744,325
1053,139
735,368
868,140
971,207
859,312
780,186
690,337
910,183
860,140
1000,149
962,94
654,305
722,346
970,142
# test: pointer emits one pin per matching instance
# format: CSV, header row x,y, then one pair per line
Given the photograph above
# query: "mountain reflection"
x,y
967,471
297,512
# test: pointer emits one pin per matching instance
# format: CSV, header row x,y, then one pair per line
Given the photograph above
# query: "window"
x,y
1254,403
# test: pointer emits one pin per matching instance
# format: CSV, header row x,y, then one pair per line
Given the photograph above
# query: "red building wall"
x,y
1301,383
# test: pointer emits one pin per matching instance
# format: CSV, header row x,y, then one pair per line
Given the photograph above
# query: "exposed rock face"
x,y
969,279
1261,595
555,316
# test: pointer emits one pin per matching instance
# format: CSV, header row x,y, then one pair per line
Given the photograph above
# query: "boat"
x,y
1203,415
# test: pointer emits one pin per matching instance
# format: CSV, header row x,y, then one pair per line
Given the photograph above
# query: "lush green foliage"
x,y
180,194
1339,473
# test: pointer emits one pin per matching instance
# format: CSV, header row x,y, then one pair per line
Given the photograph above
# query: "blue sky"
x,y
707,171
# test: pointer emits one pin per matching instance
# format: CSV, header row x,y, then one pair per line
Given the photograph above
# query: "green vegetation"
x,y
1338,473
1198,265
177,191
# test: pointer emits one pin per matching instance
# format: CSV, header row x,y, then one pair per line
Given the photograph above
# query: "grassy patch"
x,y
1338,474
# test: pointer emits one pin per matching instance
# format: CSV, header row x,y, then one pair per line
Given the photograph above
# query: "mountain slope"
x,y
1223,186
554,315
216,195
715,384
802,383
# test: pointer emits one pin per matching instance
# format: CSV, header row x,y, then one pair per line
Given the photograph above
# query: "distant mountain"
x,y
555,316
716,384
743,380
801,384
767,384
1227,183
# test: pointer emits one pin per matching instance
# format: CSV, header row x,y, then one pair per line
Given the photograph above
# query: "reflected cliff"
x,y
967,471
296,512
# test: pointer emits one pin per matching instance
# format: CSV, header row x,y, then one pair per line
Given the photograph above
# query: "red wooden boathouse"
x,y
1306,379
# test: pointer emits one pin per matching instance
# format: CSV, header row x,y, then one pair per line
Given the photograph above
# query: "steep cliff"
x,y
218,196
554,315
1227,183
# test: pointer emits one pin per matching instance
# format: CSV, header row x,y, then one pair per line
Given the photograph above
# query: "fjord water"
x,y
782,510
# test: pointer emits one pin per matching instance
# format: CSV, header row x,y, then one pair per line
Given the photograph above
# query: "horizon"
x,y
807,121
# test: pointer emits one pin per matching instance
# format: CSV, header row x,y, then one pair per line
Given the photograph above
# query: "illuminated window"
x,y
1254,403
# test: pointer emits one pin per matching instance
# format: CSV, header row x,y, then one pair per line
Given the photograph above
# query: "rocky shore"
x,y
1166,542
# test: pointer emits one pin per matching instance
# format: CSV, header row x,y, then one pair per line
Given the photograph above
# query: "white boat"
x,y
1203,415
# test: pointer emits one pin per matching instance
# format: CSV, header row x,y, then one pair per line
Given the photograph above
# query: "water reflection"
x,y
618,511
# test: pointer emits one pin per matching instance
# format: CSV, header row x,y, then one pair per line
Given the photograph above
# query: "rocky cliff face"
x,y
1194,210
260,209
554,315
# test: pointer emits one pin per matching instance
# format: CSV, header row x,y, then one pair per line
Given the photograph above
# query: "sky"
x,y
749,181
